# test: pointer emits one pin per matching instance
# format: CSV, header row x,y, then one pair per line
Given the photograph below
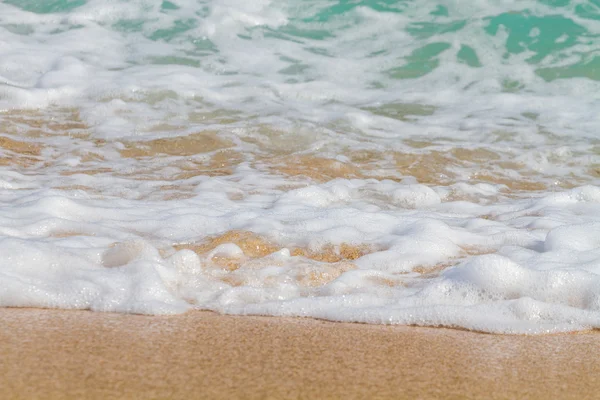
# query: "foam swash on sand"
x,y
390,162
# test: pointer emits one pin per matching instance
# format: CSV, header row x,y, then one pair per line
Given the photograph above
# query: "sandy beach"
x,y
405,162
54,354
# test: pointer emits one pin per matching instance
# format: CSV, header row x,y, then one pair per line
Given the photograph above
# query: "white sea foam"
x,y
464,201
543,278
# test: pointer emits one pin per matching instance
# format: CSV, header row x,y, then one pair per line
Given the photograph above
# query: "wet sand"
x,y
51,354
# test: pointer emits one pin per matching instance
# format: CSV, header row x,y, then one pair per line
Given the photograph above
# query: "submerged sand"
x,y
53,354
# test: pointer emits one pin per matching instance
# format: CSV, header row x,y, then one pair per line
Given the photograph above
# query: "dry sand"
x,y
49,354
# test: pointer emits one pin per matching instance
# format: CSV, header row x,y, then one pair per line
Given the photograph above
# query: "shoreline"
x,y
51,354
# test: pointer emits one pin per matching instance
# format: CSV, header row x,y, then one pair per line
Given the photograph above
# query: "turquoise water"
x,y
340,56
558,38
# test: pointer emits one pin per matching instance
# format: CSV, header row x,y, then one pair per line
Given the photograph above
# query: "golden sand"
x,y
438,168
317,169
38,123
332,260
255,247
431,168
19,152
251,244
197,143
50,354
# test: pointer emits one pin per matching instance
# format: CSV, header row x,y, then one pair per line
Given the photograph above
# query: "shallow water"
x,y
402,162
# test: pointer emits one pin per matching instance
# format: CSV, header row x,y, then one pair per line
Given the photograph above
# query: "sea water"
x,y
431,162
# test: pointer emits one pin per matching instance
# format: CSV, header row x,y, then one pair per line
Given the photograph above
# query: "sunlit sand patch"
x,y
310,275
227,263
375,164
89,156
361,165
255,246
88,171
233,280
474,155
252,245
39,129
221,163
327,264
594,171
367,157
433,270
235,196
514,184
37,123
316,168
189,145
322,274
443,168
334,253
276,142
428,168
68,234
19,152
182,188
20,147
478,165
476,250
41,125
